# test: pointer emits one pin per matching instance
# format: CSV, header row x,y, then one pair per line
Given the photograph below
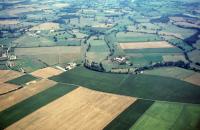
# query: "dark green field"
x,y
154,50
22,80
128,117
26,107
143,86
146,59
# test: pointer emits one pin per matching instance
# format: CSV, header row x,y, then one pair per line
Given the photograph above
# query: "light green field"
x,y
28,63
136,37
33,41
169,116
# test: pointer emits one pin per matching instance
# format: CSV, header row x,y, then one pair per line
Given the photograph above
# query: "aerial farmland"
x,y
99,65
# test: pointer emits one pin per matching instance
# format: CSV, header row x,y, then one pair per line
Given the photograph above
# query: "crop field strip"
x,y
15,97
26,107
22,80
128,117
162,88
166,115
6,87
154,50
46,72
143,45
6,75
82,107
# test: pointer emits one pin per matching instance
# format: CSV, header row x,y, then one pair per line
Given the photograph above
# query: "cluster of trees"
x,y
94,66
180,64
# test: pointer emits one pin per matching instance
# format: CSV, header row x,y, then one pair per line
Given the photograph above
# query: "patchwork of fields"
x,y
85,109
44,101
125,53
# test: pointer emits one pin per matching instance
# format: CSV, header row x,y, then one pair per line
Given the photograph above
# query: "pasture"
x,y
84,108
52,55
165,116
154,87
173,72
22,80
27,63
123,37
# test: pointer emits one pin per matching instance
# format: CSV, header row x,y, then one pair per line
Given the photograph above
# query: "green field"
x,y
154,50
143,86
146,59
169,116
22,80
173,72
26,107
28,63
136,37
128,117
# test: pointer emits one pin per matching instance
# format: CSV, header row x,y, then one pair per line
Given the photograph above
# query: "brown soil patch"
x,y
10,99
6,87
6,75
194,79
46,26
8,22
81,109
144,45
46,72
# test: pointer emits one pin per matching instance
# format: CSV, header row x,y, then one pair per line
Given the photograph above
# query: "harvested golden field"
x,y
46,26
81,109
46,72
6,87
144,45
6,75
10,99
194,79
8,22
61,5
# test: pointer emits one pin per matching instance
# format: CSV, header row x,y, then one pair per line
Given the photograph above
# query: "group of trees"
x,y
94,66
180,64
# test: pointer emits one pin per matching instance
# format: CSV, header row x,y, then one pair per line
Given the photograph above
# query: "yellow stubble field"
x,y
82,109
144,45
10,99
46,72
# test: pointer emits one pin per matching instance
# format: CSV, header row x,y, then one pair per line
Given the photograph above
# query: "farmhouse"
x,y
70,66
120,59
